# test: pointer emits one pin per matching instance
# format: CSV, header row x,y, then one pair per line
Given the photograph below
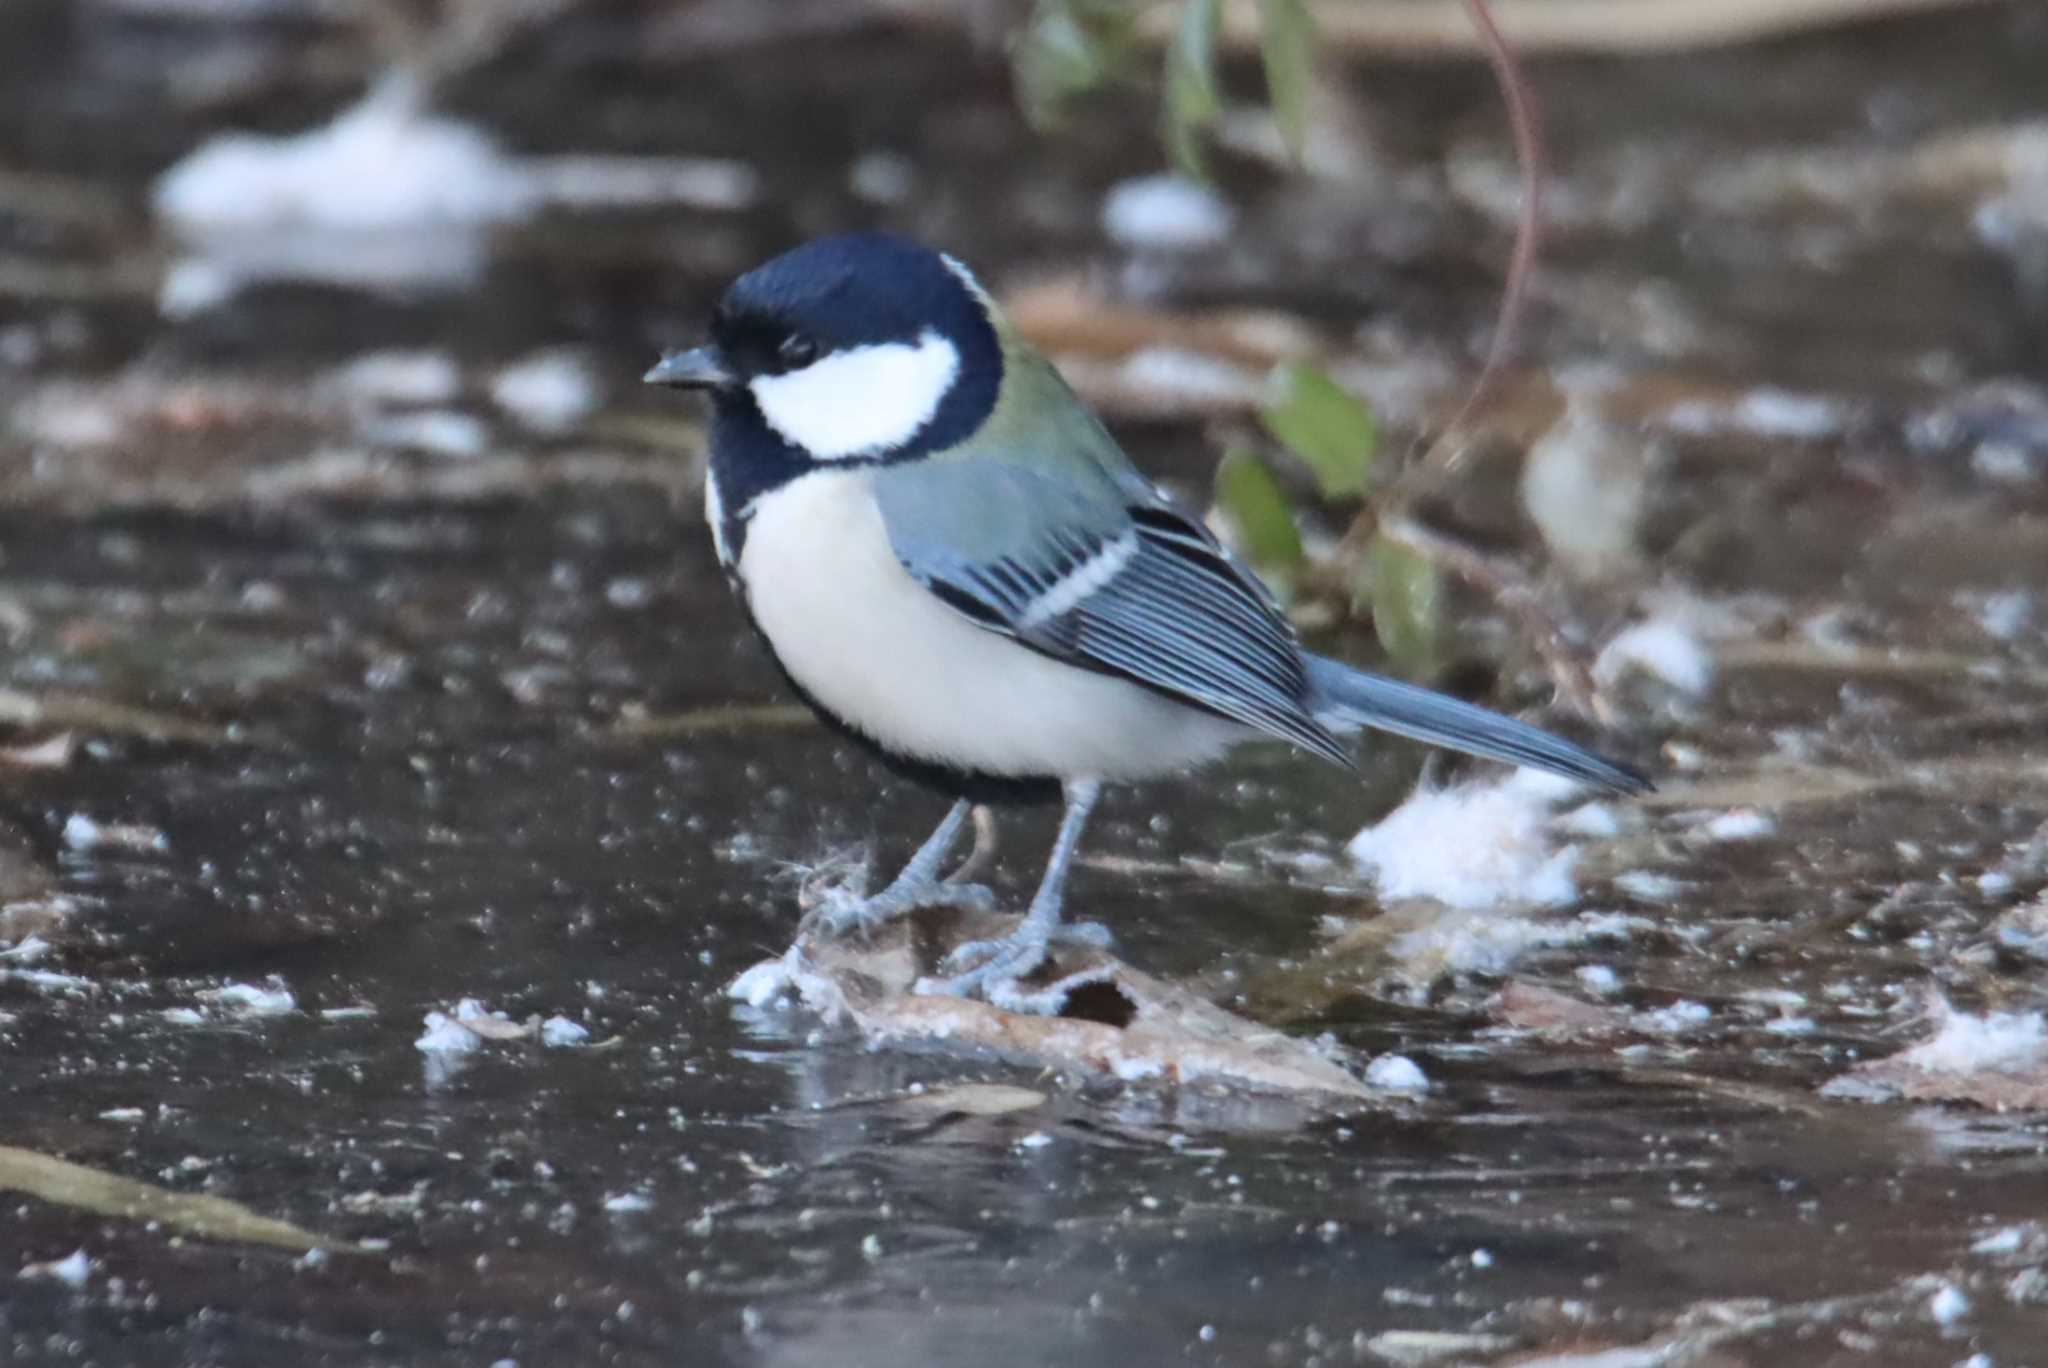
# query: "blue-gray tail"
x,y
1343,697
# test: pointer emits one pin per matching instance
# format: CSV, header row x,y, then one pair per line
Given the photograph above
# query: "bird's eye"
x,y
797,351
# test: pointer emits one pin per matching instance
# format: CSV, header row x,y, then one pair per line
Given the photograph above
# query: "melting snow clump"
x,y
1948,1305
558,1031
1472,846
72,1270
1679,1017
1165,213
254,1000
1396,1073
2003,1041
549,391
1599,978
444,1035
1740,824
1662,648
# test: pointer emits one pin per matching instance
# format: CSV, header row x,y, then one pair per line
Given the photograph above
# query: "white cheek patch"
x,y
859,401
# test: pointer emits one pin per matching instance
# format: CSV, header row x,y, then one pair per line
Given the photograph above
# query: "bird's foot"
x,y
840,910
990,969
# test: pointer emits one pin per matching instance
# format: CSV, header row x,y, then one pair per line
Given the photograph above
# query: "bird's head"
x,y
860,347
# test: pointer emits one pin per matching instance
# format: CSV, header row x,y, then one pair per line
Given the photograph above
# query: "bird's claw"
x,y
989,968
839,911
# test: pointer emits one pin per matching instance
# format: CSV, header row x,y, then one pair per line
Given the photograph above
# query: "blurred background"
x,y
368,672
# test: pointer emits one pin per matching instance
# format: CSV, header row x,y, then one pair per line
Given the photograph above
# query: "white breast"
x,y
880,651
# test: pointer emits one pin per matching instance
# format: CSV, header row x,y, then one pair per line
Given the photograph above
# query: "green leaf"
x,y
1258,508
1067,49
1286,39
1318,420
1193,99
1406,596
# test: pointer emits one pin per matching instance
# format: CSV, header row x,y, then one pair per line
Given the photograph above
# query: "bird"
x,y
955,565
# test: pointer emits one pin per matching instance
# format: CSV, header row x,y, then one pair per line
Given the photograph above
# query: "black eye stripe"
x,y
797,350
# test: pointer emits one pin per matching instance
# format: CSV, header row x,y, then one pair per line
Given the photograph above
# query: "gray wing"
x,y
1111,579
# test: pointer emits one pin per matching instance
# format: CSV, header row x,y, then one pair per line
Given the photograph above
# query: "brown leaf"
x,y
108,1194
1116,1021
1532,1007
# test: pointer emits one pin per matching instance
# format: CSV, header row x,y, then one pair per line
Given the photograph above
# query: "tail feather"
x,y
1344,696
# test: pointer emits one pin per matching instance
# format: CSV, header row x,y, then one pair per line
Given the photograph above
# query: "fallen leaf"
x,y
976,1099
1532,1007
212,1218
1117,1022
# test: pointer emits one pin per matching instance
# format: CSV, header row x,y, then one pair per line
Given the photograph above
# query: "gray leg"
x,y
998,963
919,885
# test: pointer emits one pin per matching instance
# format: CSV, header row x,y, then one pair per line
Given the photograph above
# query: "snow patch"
x,y
2001,1042
558,1032
1396,1073
250,999
1165,213
1472,846
72,1270
1739,824
1660,647
549,391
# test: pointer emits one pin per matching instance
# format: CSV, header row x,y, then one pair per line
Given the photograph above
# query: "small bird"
x,y
955,565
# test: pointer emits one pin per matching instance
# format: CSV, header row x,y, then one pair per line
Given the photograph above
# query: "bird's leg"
x,y
982,853
1001,962
919,885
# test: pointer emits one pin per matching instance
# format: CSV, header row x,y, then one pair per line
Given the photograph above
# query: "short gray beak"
x,y
698,368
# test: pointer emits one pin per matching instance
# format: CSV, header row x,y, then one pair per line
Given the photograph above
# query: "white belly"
x,y
880,651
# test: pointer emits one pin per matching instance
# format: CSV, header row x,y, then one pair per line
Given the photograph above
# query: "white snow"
x,y
548,391
2004,616
252,999
399,377
389,194
1649,885
882,177
1738,824
81,832
1396,1073
2006,1240
433,432
1584,484
1165,213
1661,647
30,950
1179,377
72,1270
1471,846
463,1030
1477,941
558,1032
381,164
2001,1042
1948,1305
629,1201
1599,978
1763,412
1680,1017
1590,819
445,1036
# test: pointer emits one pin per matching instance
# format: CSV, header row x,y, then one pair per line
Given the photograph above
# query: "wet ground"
x,y
381,690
